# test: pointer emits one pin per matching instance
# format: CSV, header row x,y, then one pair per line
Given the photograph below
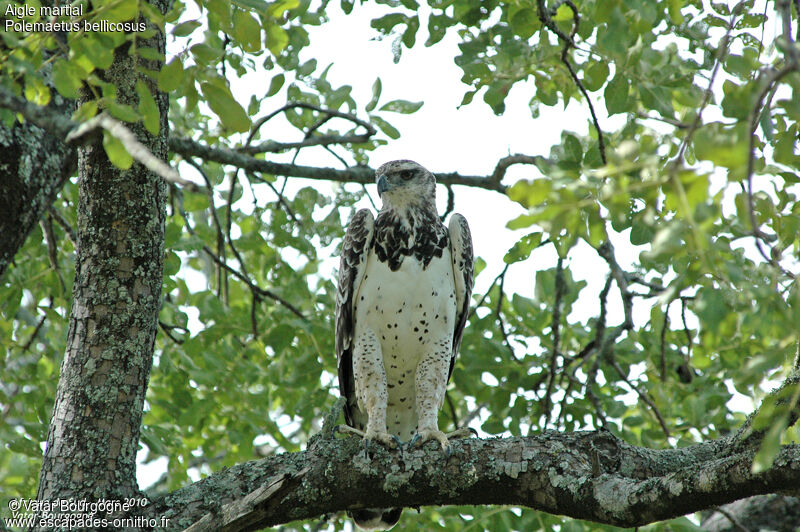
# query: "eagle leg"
x,y
443,438
371,391
390,440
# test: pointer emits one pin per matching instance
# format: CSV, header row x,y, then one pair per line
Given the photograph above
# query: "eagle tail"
x,y
375,518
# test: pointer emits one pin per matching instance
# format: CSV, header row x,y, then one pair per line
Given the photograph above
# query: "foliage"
x,y
699,144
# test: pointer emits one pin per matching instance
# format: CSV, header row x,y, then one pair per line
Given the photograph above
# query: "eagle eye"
x,y
406,174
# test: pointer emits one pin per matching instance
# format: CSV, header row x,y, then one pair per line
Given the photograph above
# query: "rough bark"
x,y
764,512
586,475
34,165
94,431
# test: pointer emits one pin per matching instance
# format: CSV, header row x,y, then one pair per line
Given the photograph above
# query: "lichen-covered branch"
x,y
586,475
34,166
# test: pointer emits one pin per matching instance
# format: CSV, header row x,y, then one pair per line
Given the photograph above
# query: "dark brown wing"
x,y
461,251
353,262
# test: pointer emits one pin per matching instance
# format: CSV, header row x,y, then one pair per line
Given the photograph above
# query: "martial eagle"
x,y
405,282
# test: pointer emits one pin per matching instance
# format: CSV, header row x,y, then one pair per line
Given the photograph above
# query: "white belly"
x,y
410,310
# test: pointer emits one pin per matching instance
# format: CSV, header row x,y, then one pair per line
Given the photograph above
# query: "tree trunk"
x,y
94,432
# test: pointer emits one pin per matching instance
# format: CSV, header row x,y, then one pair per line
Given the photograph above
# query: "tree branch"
x,y
83,132
356,174
587,475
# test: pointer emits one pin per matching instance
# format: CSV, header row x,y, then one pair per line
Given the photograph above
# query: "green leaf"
x,y
596,76
711,307
572,148
385,126
616,95
205,54
228,110
674,9
95,48
277,39
123,111
522,249
467,98
641,233
67,79
402,106
120,10
171,76
36,92
437,28
410,35
185,28
275,85
278,8
116,152
723,145
525,22
563,13
770,446
657,98
246,31
531,193
148,108
385,23
376,94
87,110
259,6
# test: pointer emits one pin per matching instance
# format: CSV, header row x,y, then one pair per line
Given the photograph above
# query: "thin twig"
x,y
336,155
606,251
167,328
369,197
58,217
667,120
722,52
735,522
451,202
595,343
486,294
272,147
253,315
664,327
473,414
221,278
501,167
546,19
281,200
452,408
498,313
52,249
642,395
38,327
555,327
236,273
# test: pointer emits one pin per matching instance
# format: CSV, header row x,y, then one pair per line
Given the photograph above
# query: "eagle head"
x,y
405,184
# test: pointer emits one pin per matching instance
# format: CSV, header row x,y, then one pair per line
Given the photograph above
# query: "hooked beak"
x,y
383,185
